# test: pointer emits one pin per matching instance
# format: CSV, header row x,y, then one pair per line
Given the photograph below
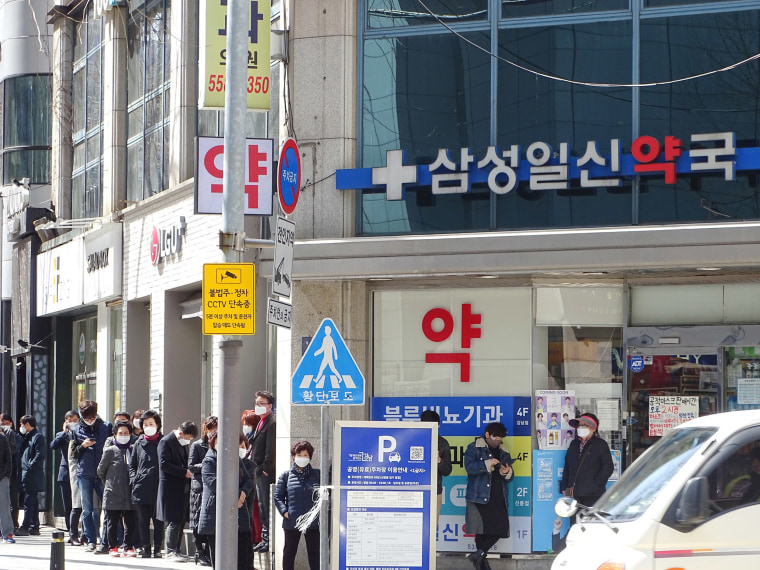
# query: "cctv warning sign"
x,y
229,298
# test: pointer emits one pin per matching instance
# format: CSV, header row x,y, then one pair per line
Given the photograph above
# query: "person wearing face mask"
x,y
198,451
136,423
173,485
263,457
90,438
207,517
489,470
245,550
33,451
143,478
15,440
295,496
588,463
249,421
61,443
117,502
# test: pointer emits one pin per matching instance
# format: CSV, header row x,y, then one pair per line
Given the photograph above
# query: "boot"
x,y
263,546
484,562
477,559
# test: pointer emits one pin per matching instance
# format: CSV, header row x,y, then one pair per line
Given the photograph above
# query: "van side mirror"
x,y
694,505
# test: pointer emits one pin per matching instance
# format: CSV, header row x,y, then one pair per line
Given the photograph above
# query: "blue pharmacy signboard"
x,y
462,420
327,373
385,477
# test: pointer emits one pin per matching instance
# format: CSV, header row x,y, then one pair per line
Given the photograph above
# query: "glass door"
x,y
667,388
742,378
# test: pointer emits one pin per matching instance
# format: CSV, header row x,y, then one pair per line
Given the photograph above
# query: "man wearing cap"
x,y
588,462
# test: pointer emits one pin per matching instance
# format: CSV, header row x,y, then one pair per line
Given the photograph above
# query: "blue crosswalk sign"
x,y
327,373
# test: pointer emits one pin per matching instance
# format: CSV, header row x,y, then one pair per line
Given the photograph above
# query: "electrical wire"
x,y
584,83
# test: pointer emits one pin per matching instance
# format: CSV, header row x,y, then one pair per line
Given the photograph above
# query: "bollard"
x,y
57,552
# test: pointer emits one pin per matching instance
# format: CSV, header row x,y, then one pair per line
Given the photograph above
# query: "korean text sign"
x,y
213,54
463,419
667,412
386,481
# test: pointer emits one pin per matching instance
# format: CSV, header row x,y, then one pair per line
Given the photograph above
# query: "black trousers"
x,y
244,558
292,538
65,488
145,514
485,542
114,518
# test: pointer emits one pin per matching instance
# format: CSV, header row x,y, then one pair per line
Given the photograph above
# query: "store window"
x,y
87,96
85,358
520,9
148,110
26,129
117,362
389,13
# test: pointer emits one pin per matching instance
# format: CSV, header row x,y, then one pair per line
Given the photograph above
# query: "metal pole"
x,y
324,480
233,179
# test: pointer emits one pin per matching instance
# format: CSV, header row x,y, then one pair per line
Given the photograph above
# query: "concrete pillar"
x,y
62,148
114,192
183,73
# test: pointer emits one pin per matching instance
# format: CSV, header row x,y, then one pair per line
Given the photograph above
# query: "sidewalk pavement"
x,y
33,553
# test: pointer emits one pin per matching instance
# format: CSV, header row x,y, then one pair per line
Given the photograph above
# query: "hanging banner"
x,y
213,54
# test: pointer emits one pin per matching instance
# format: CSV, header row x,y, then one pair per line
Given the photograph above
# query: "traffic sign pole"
x,y
233,181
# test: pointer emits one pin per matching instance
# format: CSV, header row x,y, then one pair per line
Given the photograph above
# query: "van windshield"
x,y
642,483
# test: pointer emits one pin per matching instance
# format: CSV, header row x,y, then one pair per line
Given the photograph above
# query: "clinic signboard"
x,y
462,420
385,479
557,168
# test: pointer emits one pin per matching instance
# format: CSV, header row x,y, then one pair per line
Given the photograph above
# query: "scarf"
x,y
154,437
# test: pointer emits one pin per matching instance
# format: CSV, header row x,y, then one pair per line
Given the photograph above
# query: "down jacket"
x,y
295,494
207,516
587,473
198,451
33,452
88,458
143,471
114,472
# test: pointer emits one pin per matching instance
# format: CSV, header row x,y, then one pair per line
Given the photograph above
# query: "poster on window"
x,y
462,420
667,412
552,414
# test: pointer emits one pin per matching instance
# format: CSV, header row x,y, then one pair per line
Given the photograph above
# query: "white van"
x,y
690,502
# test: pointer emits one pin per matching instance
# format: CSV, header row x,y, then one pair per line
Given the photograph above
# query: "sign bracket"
x,y
239,242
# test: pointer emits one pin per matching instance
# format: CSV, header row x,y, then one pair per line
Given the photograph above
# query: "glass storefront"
x,y
84,358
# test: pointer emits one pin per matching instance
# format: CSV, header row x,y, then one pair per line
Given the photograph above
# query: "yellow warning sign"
x,y
229,298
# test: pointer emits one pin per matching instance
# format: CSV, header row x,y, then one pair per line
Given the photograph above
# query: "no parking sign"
x,y
289,176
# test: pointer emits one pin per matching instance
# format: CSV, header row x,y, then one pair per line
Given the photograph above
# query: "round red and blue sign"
x,y
289,176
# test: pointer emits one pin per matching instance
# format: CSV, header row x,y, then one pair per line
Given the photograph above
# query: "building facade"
x,y
498,199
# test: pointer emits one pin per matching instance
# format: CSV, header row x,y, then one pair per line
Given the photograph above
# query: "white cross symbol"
x,y
394,175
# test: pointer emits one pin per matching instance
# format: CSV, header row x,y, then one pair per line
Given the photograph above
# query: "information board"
x,y
667,412
229,298
463,419
386,482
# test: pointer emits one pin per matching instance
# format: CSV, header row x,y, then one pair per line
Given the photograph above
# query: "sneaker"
x,y
102,549
145,554
34,531
9,539
90,547
130,553
174,557
157,554
22,532
114,552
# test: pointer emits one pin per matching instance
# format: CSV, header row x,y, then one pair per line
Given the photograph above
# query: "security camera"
x,y
19,363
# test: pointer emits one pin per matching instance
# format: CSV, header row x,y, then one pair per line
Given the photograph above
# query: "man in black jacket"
x,y
32,474
61,443
173,485
262,455
15,440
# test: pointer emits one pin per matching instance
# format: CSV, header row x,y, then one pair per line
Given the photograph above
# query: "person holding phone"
x,y
489,470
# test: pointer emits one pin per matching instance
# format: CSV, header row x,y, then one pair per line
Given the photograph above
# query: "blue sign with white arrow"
x,y
327,373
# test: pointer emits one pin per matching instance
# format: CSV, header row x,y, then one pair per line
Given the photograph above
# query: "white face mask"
x,y
260,410
22,429
583,432
242,452
122,439
183,441
72,426
247,430
150,431
302,461
89,422
136,423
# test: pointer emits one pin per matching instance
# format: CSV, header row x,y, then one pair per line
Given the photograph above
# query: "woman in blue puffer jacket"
x,y
295,496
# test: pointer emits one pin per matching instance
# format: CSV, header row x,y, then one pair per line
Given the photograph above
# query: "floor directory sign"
x,y
386,482
463,419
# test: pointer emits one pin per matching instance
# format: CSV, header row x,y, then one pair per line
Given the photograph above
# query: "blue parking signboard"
x,y
386,479
327,373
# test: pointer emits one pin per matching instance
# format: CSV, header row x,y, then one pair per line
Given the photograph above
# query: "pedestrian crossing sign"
x,y
327,373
